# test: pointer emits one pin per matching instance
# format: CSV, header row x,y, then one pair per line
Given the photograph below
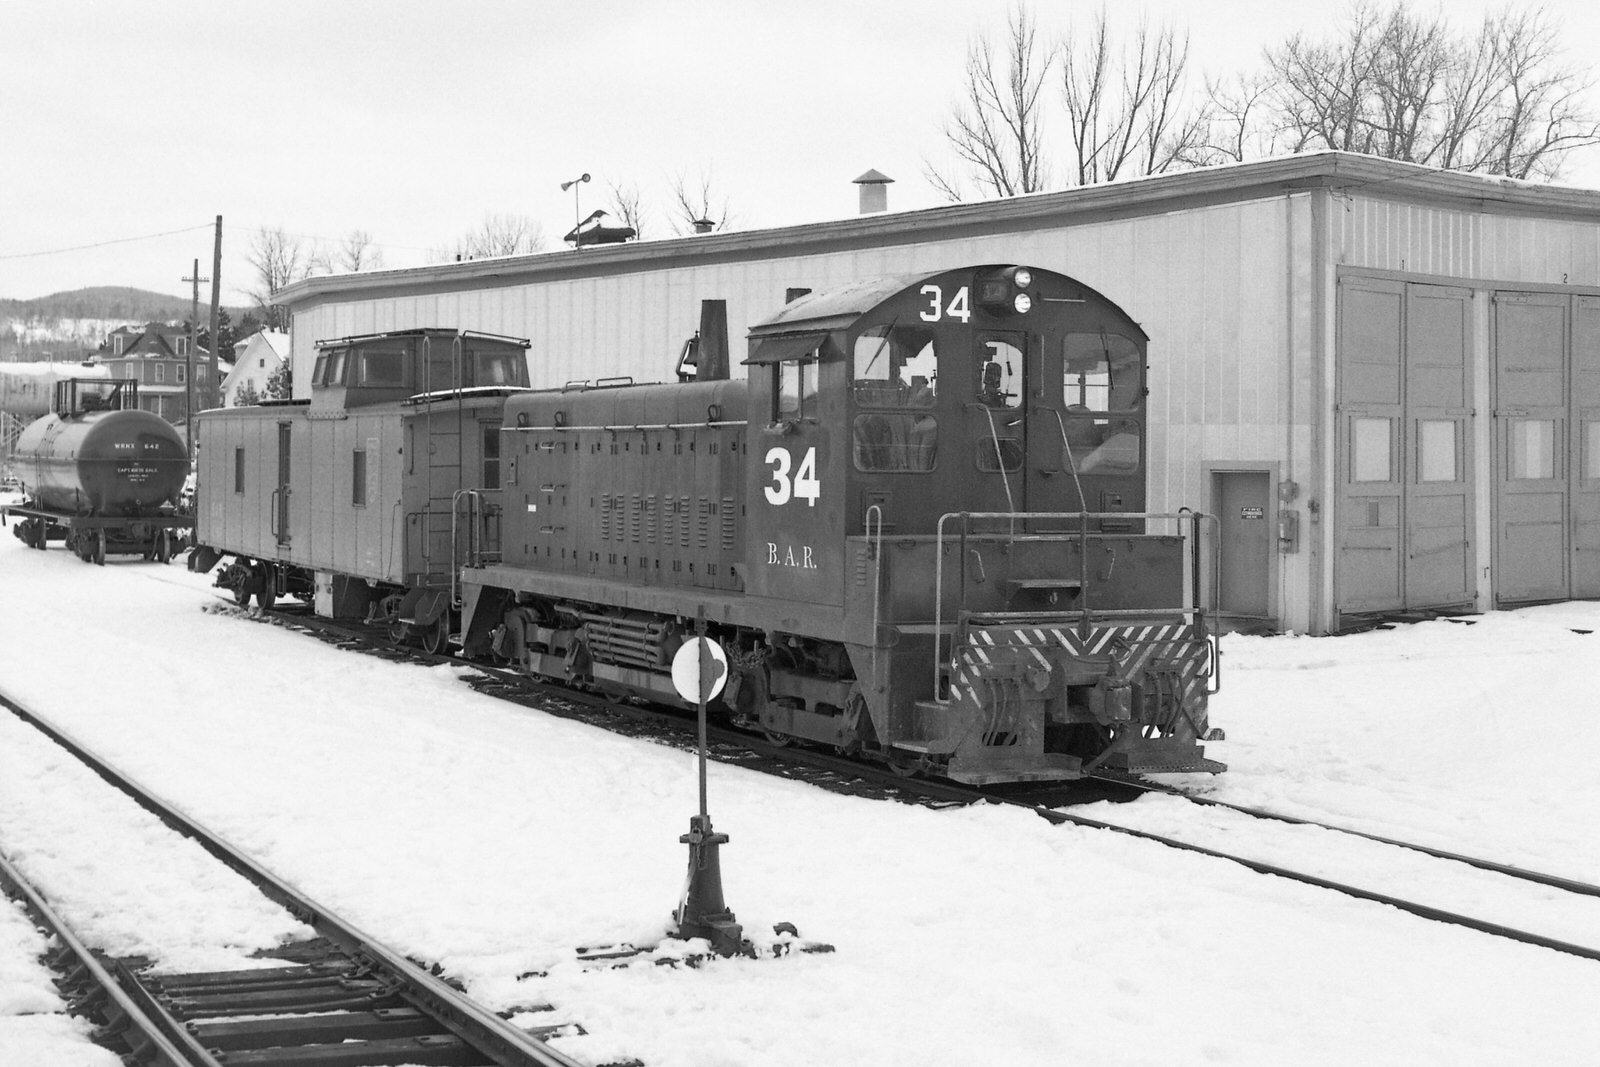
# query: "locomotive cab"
x,y
959,460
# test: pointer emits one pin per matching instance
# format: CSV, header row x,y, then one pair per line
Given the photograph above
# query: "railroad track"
x,y
841,774
341,1000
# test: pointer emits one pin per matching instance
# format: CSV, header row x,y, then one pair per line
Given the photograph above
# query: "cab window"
x,y
795,395
1102,377
999,374
895,366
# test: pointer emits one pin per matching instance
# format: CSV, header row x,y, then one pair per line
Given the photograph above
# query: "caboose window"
x,y
895,366
238,470
795,395
358,478
320,371
382,368
491,454
496,368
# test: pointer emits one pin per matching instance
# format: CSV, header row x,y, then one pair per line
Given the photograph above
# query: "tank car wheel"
x,y
436,638
163,547
100,550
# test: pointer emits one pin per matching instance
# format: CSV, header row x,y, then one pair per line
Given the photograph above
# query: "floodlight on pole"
x,y
577,238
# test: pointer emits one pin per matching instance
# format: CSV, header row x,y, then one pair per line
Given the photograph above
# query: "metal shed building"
x,y
1384,379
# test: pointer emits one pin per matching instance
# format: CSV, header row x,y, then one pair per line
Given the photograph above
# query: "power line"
x,y
103,244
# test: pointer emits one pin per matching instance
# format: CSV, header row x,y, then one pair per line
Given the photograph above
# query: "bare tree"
x,y
278,260
997,128
1232,127
1403,86
627,204
1125,111
696,209
498,235
359,253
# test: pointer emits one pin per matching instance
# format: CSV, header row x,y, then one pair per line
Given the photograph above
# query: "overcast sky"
x,y
415,119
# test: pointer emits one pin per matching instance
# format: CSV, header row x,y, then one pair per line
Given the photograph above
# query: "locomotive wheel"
x,y
436,638
776,739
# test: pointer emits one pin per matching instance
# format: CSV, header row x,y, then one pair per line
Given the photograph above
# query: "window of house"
x,y
183,375
182,347
161,372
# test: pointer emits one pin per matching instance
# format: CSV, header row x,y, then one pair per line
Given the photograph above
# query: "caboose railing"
x,y
472,542
955,531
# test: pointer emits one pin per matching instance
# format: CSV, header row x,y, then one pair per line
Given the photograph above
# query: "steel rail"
x,y
1554,881
1422,910
494,1036
149,1041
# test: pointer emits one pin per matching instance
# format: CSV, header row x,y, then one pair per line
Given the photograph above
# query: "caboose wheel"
x,y
436,638
399,632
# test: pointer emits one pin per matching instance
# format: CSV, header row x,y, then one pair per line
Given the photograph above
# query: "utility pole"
x,y
188,378
215,385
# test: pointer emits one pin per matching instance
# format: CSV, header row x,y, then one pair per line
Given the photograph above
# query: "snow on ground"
x,y
494,840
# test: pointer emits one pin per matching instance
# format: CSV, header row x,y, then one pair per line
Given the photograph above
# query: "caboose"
x,y
918,529
363,498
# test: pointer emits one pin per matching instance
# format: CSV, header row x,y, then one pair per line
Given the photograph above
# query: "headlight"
x,y
1024,278
1023,303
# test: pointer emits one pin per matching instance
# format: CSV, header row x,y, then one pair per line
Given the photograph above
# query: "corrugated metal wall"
x,y
1212,287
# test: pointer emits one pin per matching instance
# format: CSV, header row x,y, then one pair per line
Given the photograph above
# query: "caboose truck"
x,y
101,474
918,529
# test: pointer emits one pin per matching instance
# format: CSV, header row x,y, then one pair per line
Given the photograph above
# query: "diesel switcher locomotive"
x,y
918,527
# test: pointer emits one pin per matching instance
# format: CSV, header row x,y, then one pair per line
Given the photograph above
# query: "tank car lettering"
x,y
796,556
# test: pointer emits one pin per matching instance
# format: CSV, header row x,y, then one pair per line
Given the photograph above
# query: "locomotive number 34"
x,y
803,485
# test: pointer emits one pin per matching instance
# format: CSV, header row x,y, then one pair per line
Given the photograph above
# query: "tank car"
x,y
362,498
918,528
101,474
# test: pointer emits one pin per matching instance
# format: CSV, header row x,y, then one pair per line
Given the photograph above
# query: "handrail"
x,y
875,539
631,427
1189,522
476,514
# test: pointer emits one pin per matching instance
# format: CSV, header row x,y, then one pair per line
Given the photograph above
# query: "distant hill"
x,y
132,306
72,325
